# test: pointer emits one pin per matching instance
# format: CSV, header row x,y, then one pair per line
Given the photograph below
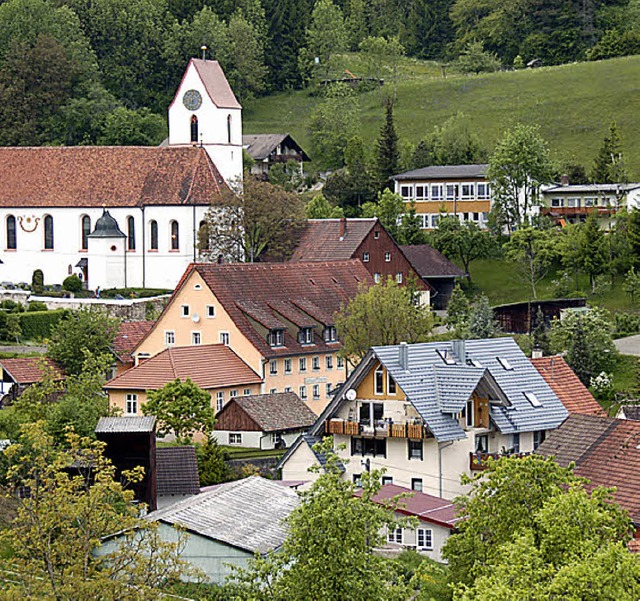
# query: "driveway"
x,y
629,345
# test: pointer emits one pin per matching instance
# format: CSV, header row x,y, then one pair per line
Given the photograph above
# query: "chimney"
x,y
564,180
459,350
343,228
536,353
403,356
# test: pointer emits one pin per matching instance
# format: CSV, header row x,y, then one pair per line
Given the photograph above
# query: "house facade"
x,y
459,190
279,318
268,150
430,412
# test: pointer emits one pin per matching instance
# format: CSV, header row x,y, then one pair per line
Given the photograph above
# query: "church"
x,y
123,216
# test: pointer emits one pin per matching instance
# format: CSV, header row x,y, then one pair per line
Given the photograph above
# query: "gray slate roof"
x,y
247,514
445,172
177,471
260,146
131,423
276,412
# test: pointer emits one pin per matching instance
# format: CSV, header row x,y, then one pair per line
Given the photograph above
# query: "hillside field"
x,y
573,105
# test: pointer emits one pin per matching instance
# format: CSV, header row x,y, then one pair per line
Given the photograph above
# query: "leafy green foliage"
x,y
72,283
320,208
39,325
475,59
37,281
127,127
481,322
631,285
458,313
212,468
382,314
182,409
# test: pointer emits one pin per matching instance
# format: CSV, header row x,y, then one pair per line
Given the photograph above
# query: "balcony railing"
x,y
380,429
478,461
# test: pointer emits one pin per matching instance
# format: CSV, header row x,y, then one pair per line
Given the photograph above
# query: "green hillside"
x,y
573,104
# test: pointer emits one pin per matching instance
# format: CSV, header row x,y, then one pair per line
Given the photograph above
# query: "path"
x,y
23,349
629,345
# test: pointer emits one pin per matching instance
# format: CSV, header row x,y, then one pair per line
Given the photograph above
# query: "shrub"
x,y
626,324
37,281
11,306
72,283
37,325
37,306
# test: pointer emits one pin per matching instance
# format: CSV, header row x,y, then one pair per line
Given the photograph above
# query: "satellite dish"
x,y
195,318
351,394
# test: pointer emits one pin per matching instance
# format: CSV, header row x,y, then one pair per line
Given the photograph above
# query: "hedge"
x,y
37,325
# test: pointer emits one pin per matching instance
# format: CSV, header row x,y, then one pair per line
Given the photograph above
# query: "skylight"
x,y
505,363
447,357
533,399
474,363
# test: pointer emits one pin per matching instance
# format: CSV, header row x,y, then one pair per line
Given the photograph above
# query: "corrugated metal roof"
x,y
132,423
248,513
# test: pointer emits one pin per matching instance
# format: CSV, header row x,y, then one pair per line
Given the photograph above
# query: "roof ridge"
x,y
172,363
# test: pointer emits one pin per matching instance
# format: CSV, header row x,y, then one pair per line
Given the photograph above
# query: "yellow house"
x,y
277,317
213,367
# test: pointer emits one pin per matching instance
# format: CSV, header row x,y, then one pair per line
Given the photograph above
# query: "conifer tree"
x,y
481,323
387,156
608,167
458,313
594,257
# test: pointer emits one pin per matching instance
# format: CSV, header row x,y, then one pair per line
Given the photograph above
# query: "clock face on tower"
x,y
192,100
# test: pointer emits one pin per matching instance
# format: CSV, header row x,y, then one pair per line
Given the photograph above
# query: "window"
x,y
590,202
395,536
365,257
340,362
273,367
131,233
329,361
515,442
415,449
153,229
224,338
482,444
435,219
416,484
557,202
196,338
436,191
369,446
194,129
467,191
48,232
316,392
131,407
246,392
184,310
483,191
376,278
219,400
533,399
405,191
330,334
505,363
421,192
370,412
399,277
424,539
11,233
387,480
302,364
273,390
85,230
378,377
468,411
387,257
315,363
175,236
452,191
305,336
169,338
211,311
357,480
235,438
573,202
288,389
391,384
328,389
233,394
302,392
538,438
228,129
276,338
287,366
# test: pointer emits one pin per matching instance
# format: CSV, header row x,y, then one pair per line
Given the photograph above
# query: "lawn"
x,y
573,104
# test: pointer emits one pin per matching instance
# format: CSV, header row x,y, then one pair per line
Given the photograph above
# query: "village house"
x,y
459,190
21,372
430,412
268,150
129,335
53,199
279,318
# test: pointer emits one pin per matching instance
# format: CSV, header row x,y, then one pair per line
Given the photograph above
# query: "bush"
x,y
626,324
37,306
11,306
72,283
37,325
37,281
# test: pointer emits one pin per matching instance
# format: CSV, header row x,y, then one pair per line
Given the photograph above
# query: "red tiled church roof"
x,y
570,390
117,176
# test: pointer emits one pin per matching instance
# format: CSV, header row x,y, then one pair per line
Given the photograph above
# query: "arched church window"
x,y
131,233
175,236
48,232
194,128
203,236
229,129
154,235
86,230
11,233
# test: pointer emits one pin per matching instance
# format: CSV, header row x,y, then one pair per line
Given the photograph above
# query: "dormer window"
x,y
305,336
276,338
330,334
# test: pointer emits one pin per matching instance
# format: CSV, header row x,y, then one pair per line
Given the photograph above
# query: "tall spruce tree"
x,y
608,167
387,154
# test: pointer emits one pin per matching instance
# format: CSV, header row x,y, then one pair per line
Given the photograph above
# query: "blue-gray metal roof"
x,y
438,390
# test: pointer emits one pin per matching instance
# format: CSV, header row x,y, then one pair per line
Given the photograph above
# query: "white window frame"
x,y
395,536
131,404
437,191
399,277
387,257
467,191
169,337
427,539
185,310
365,257
233,394
421,191
219,400
196,338
235,438
406,191
328,361
273,367
340,362
246,392
211,311
288,366
391,385
302,392
469,417
377,277
328,390
302,365
316,392
273,390
224,338
315,363
378,390
483,191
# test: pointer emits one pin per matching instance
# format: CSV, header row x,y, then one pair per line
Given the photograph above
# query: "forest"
x,y
104,71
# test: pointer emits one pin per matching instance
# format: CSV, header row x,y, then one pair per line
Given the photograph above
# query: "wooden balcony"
x,y
382,429
478,462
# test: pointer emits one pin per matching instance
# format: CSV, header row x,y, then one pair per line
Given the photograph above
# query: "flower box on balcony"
x,y
414,430
398,430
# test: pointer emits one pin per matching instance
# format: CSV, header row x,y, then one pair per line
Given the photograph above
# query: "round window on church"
x,y
192,100
113,248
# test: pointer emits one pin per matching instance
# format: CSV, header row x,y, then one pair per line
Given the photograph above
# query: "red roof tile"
x,y
209,366
28,370
570,390
130,334
118,176
430,263
321,241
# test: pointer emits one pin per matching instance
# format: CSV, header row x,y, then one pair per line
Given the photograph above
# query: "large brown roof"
x,y
273,293
28,370
116,176
275,412
209,366
605,450
130,334
321,240
216,83
575,396
430,263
